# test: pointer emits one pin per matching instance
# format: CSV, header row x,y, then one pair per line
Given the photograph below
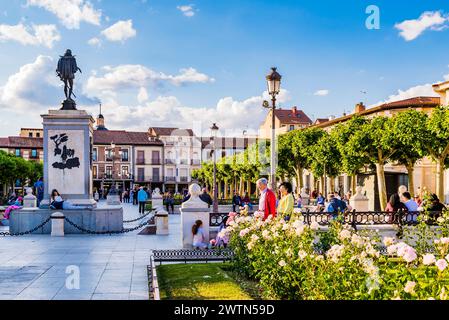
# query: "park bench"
x,y
191,255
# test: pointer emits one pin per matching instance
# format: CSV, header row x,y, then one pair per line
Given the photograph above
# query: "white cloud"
x,y
120,31
412,29
94,42
424,90
43,34
142,96
35,88
187,10
70,12
137,76
322,92
231,115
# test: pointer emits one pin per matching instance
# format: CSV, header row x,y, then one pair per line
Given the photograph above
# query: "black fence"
x,y
354,218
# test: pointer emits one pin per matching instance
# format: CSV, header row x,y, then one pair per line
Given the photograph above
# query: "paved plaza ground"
x,y
111,266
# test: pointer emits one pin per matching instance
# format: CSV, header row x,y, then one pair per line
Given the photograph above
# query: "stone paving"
x,y
111,266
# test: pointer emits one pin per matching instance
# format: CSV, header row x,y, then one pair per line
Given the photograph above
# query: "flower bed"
x,y
292,260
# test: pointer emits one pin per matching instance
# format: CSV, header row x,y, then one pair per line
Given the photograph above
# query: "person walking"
x,y
39,186
267,200
286,204
142,198
135,202
170,202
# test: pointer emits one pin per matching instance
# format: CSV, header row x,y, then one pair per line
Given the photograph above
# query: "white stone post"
x,y
30,200
156,200
305,198
358,201
161,218
57,224
192,210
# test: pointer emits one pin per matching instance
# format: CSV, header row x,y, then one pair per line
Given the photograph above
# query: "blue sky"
x,y
225,48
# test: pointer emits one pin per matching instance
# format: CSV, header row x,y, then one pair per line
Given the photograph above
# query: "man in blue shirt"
x,y
412,206
39,186
142,197
335,206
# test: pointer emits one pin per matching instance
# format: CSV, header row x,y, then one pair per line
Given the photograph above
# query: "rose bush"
x,y
292,260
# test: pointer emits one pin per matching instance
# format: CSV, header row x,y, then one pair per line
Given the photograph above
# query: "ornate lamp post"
x,y
274,88
214,130
114,188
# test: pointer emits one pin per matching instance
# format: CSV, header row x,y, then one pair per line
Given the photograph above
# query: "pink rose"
x,y
441,264
428,259
409,254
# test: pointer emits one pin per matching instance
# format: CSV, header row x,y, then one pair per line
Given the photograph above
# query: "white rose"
x,y
410,287
428,259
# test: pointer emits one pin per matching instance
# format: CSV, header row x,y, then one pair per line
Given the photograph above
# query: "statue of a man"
x,y
66,72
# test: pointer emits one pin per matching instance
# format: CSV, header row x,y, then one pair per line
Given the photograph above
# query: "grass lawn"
x,y
205,281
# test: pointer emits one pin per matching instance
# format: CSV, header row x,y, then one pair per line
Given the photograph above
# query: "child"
x,y
198,235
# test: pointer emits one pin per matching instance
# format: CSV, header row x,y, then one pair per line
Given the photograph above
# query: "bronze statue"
x,y
66,70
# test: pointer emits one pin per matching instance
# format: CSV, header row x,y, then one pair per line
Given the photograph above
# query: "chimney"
x,y
294,110
359,107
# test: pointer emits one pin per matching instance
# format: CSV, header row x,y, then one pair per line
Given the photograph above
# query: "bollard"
x,y
57,224
161,218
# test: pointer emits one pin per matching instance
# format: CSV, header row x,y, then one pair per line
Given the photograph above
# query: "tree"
x,y
294,150
375,140
409,131
351,161
325,158
437,144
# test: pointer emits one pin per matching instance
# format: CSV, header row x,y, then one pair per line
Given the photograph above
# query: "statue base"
x,y
68,105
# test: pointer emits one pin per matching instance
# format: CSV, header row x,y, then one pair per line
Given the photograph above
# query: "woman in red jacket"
x,y
267,200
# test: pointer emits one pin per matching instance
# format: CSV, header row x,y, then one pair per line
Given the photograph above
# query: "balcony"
x,y
170,179
184,161
110,176
140,161
156,161
149,179
196,162
184,179
170,161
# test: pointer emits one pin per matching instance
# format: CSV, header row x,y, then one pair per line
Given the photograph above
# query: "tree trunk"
x,y
226,190
241,186
411,179
231,191
440,180
322,185
248,187
381,185
299,180
353,183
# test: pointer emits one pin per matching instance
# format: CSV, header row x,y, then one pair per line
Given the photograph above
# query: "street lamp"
x,y
274,88
214,130
113,189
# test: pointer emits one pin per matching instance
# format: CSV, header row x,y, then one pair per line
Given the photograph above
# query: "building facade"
x,y
285,120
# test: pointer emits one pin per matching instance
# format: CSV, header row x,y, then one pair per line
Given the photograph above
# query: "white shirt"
x,y
262,200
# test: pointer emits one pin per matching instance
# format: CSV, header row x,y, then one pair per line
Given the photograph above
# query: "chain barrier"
x,y
26,232
124,230
139,218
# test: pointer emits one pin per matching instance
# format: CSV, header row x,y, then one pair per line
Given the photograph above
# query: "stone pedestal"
x,y
30,200
359,202
113,200
68,139
305,198
192,210
57,224
156,199
161,219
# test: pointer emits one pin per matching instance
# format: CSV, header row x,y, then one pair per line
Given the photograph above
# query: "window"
x,y
140,157
17,153
140,174
33,153
155,158
38,134
94,172
125,155
156,174
292,127
94,154
109,172
30,134
125,172
108,153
